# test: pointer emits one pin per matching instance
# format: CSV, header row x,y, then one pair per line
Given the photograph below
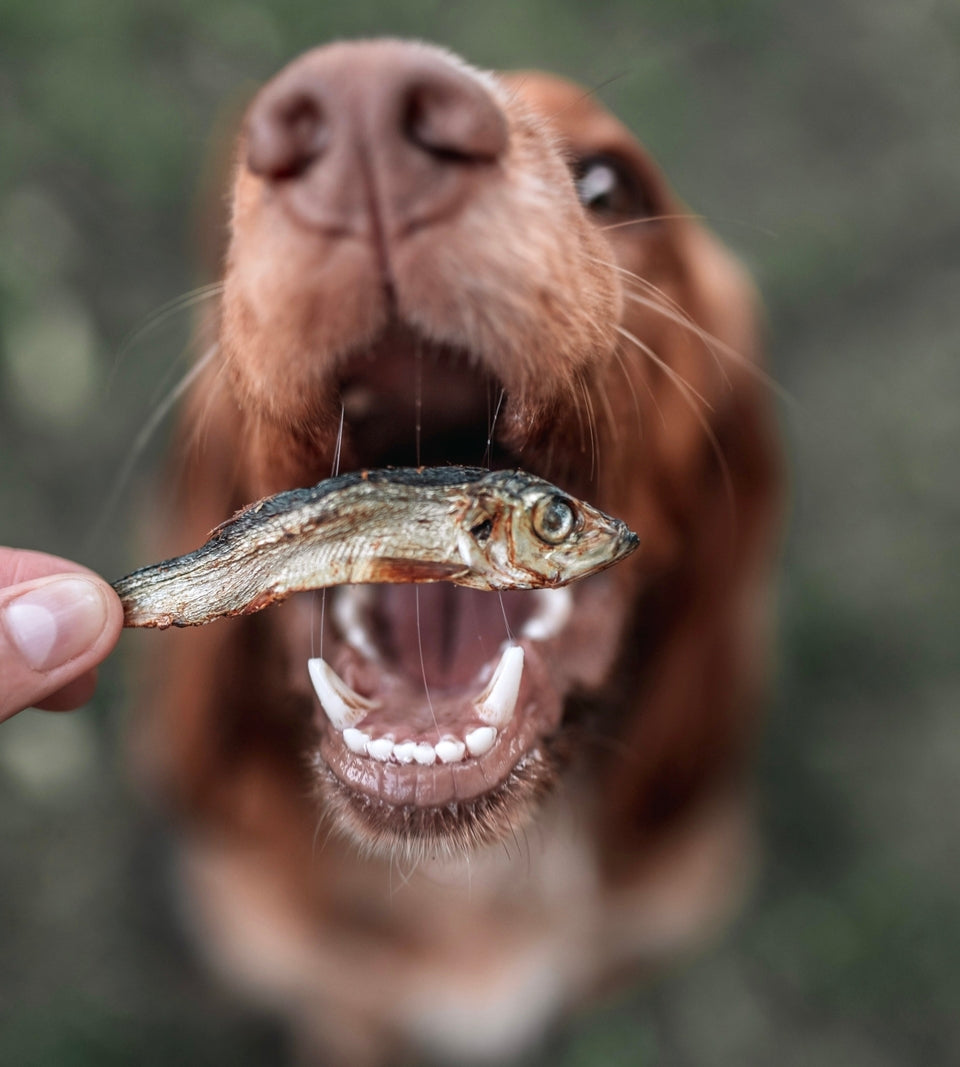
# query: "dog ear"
x,y
699,637
202,728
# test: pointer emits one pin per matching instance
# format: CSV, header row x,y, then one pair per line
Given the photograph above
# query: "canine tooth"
x,y
425,753
553,610
480,740
343,706
497,702
356,740
380,748
450,750
350,604
405,752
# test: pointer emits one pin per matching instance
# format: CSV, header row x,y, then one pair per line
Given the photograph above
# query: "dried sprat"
x,y
472,527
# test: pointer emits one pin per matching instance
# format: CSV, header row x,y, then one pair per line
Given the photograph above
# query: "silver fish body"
x,y
473,527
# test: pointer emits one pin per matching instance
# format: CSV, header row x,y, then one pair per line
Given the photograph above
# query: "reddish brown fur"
x,y
520,273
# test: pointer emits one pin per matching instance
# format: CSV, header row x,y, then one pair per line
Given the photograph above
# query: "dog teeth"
x,y
450,750
351,607
343,706
425,754
381,748
346,709
480,740
497,703
356,740
405,751
552,614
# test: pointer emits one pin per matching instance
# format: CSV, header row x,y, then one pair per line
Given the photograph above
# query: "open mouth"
x,y
440,703
439,706
413,257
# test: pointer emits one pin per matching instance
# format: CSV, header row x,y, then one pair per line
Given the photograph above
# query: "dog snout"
x,y
375,138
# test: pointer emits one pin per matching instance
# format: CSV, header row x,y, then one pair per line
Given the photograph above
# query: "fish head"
x,y
520,531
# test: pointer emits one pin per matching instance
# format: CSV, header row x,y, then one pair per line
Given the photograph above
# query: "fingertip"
x,y
113,623
53,632
73,695
62,619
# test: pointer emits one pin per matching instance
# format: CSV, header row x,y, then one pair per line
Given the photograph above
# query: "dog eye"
x,y
606,187
554,519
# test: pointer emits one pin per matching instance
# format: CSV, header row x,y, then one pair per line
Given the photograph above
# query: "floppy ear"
x,y
698,645
202,730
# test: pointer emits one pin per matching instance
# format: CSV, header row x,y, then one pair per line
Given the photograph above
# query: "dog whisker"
x,y
665,305
181,303
618,357
201,425
673,311
488,453
678,380
143,438
611,421
690,395
643,220
423,668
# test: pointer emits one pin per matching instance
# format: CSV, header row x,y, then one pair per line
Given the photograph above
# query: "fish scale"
x,y
476,528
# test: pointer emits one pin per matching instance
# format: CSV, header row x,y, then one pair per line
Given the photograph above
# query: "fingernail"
x,y
55,622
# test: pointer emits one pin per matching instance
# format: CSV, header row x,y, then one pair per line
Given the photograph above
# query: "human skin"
x,y
58,621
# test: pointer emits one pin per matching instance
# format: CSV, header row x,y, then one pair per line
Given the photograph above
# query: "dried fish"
x,y
473,527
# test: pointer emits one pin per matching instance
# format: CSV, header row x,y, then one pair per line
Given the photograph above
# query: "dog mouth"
x,y
436,677
438,707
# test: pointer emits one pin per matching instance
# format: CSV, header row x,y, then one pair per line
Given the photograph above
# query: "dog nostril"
x,y
286,135
454,120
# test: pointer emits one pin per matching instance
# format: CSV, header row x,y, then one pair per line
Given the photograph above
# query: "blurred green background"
x,y
822,141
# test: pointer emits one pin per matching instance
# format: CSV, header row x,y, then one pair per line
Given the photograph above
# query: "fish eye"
x,y
482,531
554,519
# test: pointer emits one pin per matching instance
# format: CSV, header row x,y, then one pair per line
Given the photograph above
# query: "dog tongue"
x,y
445,632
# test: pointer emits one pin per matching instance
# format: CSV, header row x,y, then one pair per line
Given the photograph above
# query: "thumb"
x,y
53,630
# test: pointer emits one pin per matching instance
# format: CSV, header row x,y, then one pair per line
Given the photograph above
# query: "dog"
x,y
429,264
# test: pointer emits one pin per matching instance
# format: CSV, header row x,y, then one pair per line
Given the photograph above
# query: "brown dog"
x,y
428,264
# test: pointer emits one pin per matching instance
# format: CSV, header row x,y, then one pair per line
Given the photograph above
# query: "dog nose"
x,y
375,133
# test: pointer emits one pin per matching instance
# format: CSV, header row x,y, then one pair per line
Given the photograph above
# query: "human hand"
x,y
58,620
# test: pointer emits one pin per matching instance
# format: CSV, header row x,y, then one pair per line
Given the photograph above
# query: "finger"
x,y
53,630
19,565
73,695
